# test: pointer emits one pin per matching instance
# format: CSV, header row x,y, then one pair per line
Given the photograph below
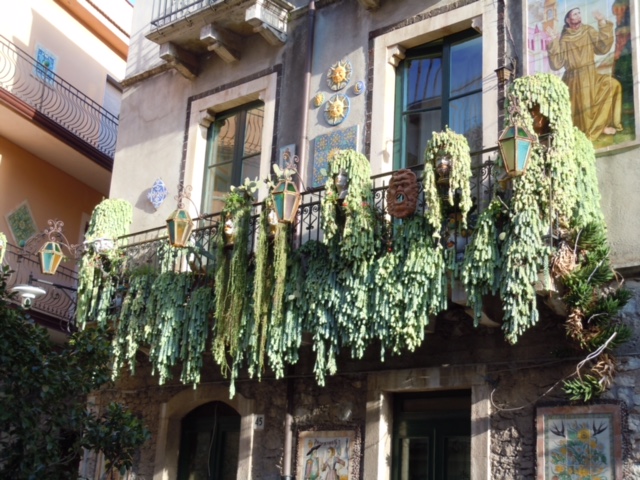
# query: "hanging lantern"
x,y
50,257
444,163
341,182
286,200
515,147
179,225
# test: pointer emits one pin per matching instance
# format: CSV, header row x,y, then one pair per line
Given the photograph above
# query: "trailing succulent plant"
x,y
232,271
98,278
550,221
350,222
376,281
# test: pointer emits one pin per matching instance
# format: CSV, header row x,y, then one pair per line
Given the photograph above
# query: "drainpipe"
x,y
288,432
304,138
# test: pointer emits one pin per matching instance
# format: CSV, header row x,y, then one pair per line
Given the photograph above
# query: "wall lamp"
x,y
506,71
29,292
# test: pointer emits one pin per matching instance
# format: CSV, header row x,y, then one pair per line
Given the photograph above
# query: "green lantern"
x,y
179,226
515,147
50,257
286,200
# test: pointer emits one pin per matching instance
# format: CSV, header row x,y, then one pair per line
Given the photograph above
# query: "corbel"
x,y
184,62
222,42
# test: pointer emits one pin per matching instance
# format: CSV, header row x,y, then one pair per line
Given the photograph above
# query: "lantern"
x,y
50,257
515,147
286,200
444,164
179,225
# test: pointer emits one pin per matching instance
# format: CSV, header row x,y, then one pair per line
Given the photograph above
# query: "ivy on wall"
x,y
376,280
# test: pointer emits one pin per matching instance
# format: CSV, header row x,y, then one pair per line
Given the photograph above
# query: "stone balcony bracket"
x,y
186,63
185,34
269,19
225,43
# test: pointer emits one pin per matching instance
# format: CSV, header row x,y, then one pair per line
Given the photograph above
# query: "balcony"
x,y
185,29
29,87
55,309
150,250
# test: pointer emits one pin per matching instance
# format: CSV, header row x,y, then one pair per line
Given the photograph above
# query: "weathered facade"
x,y
329,75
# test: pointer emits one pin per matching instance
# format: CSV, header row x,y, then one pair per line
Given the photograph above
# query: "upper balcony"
x,y
187,28
30,89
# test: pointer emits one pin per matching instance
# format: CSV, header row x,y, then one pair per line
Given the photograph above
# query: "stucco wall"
x,y
619,177
51,193
83,59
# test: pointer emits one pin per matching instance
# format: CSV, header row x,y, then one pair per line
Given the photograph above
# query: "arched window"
x,y
209,443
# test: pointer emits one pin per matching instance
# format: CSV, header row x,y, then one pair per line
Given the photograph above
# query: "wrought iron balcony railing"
x,y
150,249
169,11
32,82
59,303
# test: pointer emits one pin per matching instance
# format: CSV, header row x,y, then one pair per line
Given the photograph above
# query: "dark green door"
x,y
209,443
432,436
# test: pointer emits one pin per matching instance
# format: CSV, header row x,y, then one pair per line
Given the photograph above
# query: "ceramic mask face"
x,y
402,194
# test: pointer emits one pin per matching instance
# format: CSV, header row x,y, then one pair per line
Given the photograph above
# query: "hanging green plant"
x,y
480,273
284,342
587,209
357,235
129,334
410,286
165,318
448,150
100,267
263,287
195,332
232,266
319,299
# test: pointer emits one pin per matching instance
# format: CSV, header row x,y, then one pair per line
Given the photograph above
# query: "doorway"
x,y
432,436
209,443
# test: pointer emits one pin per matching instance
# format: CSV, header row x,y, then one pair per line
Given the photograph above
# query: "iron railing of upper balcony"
x,y
169,11
32,82
150,249
59,303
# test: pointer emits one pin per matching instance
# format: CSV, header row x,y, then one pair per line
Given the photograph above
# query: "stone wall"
x,y
520,378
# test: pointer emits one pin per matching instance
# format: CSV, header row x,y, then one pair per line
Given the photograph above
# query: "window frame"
x,y
239,156
440,48
202,110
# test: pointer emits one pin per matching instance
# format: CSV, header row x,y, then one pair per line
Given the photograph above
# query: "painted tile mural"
x,y
579,443
588,44
325,145
21,223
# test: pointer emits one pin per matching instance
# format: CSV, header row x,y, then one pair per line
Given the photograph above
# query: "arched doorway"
x,y
209,443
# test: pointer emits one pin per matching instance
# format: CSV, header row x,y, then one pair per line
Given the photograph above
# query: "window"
x,y
234,146
438,84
